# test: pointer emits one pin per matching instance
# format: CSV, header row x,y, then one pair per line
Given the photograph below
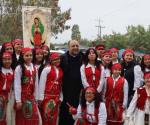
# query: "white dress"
x,y
137,114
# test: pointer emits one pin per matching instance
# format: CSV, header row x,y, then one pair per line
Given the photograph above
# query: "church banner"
x,y
36,26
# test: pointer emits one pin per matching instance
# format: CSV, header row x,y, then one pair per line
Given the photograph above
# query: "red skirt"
x,y
3,107
28,115
81,121
114,113
50,109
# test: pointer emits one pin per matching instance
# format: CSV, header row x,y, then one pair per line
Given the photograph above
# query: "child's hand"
x,y
72,110
126,120
39,103
18,105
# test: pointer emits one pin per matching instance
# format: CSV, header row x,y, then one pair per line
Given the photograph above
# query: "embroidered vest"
x,y
28,84
93,78
53,84
116,93
8,80
85,115
142,97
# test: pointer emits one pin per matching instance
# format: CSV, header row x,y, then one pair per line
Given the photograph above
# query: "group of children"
x,y
22,87
114,91
123,86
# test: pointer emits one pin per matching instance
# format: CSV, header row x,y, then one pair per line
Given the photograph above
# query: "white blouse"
x,y
17,56
136,115
107,72
138,79
102,115
133,104
37,66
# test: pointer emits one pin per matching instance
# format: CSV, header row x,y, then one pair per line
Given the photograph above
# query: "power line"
x,y
125,6
100,27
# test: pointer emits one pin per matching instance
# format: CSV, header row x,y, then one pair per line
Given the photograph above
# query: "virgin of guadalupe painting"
x,y
37,32
36,26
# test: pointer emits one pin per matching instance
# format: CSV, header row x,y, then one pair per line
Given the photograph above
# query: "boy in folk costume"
x,y
100,49
140,104
6,81
107,62
116,96
26,90
50,94
114,52
91,110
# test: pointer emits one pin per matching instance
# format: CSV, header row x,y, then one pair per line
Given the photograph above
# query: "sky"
x,y
115,15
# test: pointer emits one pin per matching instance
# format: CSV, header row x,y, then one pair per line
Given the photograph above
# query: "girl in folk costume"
x,y
38,58
92,73
8,47
18,45
145,64
116,96
114,52
46,52
140,104
107,62
91,110
132,72
6,81
50,94
26,90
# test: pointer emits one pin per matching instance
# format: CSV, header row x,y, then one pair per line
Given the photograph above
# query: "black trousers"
x,y
65,118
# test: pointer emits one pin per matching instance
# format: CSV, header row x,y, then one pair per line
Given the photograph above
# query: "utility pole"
x,y
99,26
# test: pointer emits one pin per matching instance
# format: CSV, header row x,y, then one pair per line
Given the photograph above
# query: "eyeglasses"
x,y
147,79
89,93
56,60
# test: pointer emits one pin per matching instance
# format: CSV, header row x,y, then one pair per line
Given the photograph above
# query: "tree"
x,y
11,17
10,26
76,33
86,42
137,38
115,40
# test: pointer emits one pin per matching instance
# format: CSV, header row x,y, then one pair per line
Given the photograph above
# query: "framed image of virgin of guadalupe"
x,y
36,26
